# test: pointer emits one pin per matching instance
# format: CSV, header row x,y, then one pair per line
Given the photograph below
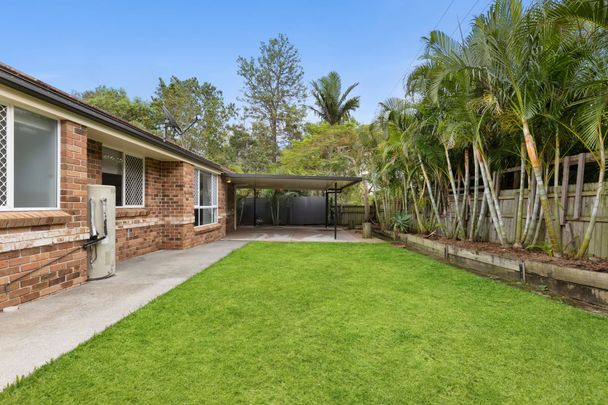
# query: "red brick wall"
x,y
94,156
178,204
166,222
48,235
140,231
29,240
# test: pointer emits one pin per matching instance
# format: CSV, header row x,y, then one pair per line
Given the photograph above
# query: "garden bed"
x,y
592,264
582,281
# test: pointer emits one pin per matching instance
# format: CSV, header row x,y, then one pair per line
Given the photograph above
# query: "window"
x,y
205,198
126,173
29,160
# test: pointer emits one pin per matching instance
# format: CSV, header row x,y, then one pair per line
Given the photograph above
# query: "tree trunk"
x,y
274,132
555,188
534,215
530,204
465,196
520,197
242,209
278,212
539,224
384,212
493,202
405,206
472,223
460,222
365,201
541,189
421,227
482,212
596,203
377,209
430,191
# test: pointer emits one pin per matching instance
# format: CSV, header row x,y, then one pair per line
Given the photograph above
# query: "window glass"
x,y
35,162
112,171
205,198
206,191
208,216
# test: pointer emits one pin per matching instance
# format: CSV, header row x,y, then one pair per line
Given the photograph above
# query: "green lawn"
x,y
335,323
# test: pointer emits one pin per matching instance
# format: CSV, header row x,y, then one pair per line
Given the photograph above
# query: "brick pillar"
x,y
230,207
94,157
177,204
73,199
74,173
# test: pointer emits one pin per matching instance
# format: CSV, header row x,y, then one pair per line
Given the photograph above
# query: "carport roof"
x,y
289,182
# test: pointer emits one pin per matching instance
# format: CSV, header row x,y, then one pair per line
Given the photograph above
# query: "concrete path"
x,y
43,330
296,234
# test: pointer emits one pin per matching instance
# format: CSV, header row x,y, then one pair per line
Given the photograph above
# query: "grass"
x,y
329,323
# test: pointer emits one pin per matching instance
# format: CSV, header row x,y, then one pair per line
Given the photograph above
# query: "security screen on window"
x,y
35,160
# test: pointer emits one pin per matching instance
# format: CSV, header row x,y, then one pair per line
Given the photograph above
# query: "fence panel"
x,y
572,230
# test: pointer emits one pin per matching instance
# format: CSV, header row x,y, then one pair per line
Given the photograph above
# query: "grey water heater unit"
x,y
102,227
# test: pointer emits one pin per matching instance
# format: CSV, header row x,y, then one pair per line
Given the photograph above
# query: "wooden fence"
x,y
575,203
351,215
574,218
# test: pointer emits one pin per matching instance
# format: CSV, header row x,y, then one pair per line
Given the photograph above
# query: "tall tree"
x,y
117,102
333,106
199,104
326,149
274,90
249,148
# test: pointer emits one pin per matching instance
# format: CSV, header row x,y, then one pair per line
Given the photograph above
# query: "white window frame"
x,y
10,161
124,177
215,195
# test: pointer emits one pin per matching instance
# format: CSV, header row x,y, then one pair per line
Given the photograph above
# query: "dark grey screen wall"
x,y
295,211
307,211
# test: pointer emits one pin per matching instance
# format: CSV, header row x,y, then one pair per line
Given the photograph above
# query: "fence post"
x,y
580,177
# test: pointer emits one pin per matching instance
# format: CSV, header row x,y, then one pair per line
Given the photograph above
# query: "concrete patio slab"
x,y
43,330
295,234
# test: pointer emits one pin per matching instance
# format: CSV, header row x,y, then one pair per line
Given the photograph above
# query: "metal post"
x,y
255,192
336,211
326,207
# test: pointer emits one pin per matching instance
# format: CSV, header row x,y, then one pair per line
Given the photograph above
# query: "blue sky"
x,y
77,45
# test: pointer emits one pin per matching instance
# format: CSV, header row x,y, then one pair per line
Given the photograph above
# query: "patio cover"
x,y
289,182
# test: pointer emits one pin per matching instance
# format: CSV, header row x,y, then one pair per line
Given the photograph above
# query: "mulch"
x,y
592,264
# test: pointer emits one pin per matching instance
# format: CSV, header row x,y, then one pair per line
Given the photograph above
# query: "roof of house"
x,y
41,90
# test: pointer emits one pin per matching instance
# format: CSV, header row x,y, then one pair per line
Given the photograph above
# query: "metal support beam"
x,y
255,194
336,212
326,207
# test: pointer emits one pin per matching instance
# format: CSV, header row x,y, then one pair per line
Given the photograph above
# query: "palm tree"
x,y
333,106
403,128
588,21
509,53
454,84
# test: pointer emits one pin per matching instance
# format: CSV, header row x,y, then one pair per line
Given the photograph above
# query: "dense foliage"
x,y
525,87
331,105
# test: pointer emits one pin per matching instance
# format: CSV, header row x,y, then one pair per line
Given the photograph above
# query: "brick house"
x,y
52,146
